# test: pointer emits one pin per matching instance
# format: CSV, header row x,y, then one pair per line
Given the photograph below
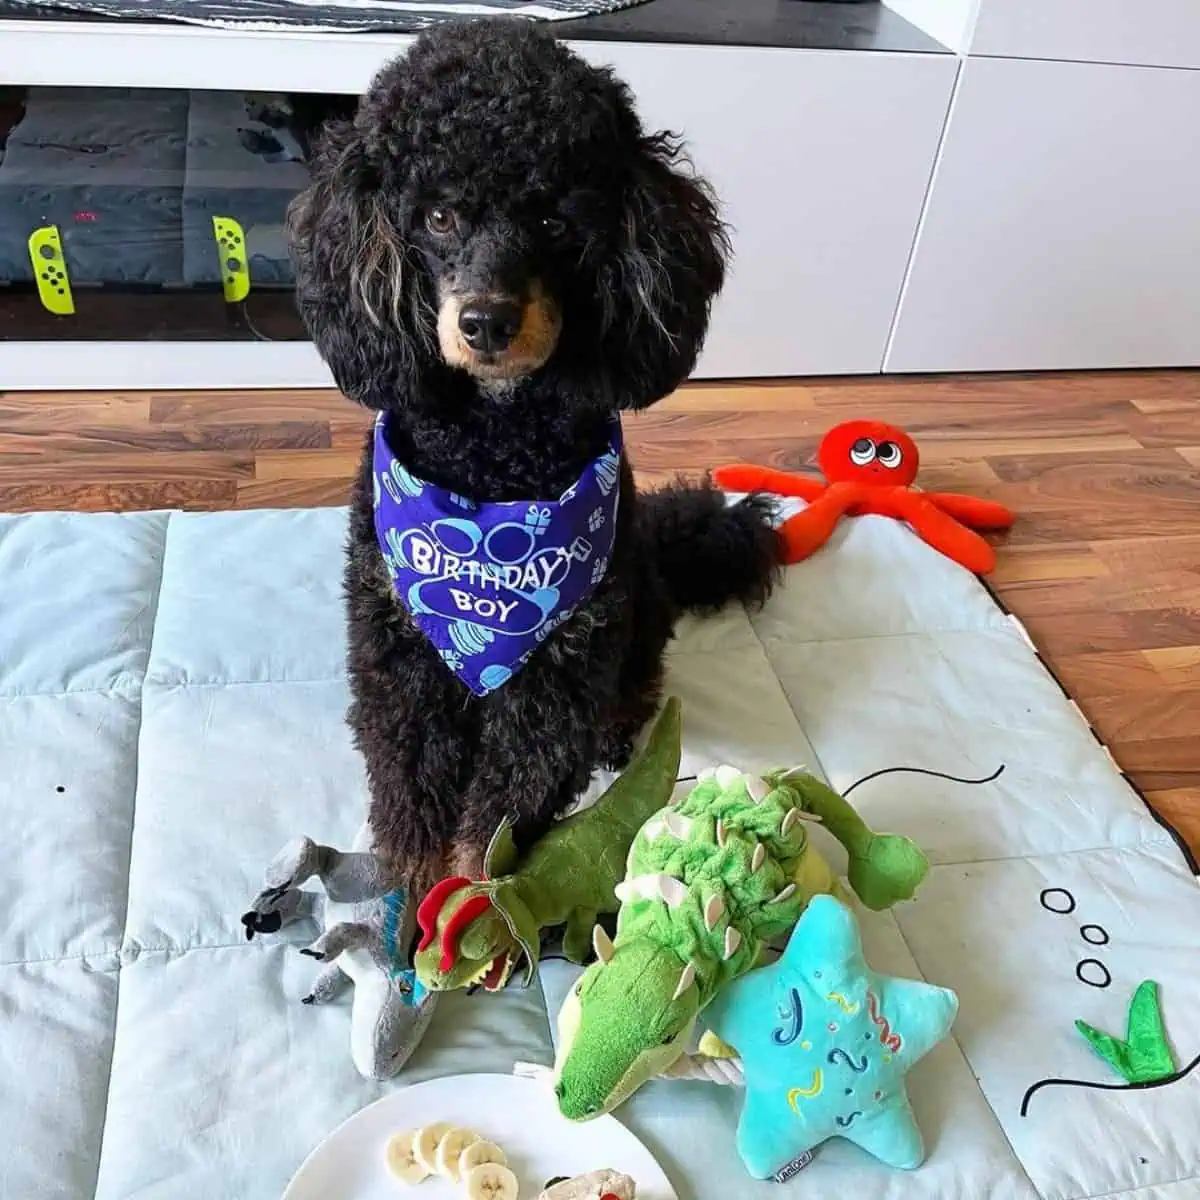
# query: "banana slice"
x,y
449,1150
426,1141
478,1153
491,1181
402,1160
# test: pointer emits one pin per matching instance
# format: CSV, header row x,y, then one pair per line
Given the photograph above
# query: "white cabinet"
x,y
1063,224
822,161
1156,33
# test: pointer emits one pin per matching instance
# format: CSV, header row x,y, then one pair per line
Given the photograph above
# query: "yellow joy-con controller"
x,y
50,271
235,265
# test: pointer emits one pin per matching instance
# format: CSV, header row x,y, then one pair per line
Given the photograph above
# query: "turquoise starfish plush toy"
x,y
825,1043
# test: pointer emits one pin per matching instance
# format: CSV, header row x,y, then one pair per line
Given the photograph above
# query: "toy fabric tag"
x,y
486,583
793,1168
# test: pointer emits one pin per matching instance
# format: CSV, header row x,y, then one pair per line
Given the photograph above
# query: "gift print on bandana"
x,y
487,582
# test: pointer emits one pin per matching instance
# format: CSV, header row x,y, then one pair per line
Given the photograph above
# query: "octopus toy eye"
x,y
889,455
863,452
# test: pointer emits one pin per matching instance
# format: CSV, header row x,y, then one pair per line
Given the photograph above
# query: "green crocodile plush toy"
x,y
709,884
477,931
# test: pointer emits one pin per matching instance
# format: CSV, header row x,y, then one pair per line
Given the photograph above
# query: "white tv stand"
x,y
1022,198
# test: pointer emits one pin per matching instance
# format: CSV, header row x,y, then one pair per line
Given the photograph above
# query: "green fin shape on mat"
x,y
1145,1056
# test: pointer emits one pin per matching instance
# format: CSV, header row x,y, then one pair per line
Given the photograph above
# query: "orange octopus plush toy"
x,y
871,467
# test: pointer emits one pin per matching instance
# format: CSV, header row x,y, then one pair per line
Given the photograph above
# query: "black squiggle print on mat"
x,y
1108,1087
922,771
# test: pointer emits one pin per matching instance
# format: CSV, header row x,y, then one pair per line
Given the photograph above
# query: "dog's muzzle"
x,y
496,337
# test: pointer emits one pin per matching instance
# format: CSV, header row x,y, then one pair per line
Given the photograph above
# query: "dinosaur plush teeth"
x,y
433,904
733,940
786,894
493,979
653,830
685,980
678,825
720,833
652,887
759,857
602,944
757,788
727,777
712,912
705,775
789,821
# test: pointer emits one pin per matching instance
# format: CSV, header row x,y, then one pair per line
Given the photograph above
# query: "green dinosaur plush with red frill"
x,y
478,931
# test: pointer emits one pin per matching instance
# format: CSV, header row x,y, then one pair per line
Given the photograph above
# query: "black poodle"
x,y
495,256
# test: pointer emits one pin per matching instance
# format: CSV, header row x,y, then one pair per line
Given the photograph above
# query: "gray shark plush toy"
x,y
367,932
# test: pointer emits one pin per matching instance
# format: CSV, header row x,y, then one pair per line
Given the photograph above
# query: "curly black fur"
x,y
556,191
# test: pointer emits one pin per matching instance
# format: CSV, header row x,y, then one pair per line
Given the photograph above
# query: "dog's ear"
x,y
356,293
669,267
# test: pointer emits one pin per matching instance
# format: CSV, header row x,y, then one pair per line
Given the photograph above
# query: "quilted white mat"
x,y
172,698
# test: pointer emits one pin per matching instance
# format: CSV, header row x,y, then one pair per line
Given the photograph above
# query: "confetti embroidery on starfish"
x,y
814,1089
891,1040
785,1035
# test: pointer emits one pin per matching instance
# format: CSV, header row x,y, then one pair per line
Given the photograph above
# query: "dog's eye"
x,y
439,221
553,227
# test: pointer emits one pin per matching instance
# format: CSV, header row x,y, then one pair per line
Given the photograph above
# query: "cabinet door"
x,y
1062,228
1155,33
822,161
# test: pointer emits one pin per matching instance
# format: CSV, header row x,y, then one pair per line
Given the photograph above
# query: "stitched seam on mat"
x,y
137,772
67,958
123,957
117,689
762,646
1136,1191
984,630
1134,848
180,685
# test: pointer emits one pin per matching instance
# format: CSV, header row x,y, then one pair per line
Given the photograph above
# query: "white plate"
x,y
519,1115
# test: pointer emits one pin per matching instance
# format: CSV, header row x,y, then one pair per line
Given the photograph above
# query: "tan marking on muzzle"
x,y
541,324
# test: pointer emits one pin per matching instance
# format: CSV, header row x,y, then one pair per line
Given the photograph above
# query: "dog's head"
x,y
495,217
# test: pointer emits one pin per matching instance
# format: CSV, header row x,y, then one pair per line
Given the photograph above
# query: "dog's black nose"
x,y
490,327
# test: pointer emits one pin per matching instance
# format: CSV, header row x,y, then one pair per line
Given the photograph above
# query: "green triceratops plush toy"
x,y
477,931
709,883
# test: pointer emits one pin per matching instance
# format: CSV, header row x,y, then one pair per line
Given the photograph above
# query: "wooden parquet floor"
x,y
1103,565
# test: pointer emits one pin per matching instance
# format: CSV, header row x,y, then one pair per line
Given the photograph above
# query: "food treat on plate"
x,y
457,1154
595,1185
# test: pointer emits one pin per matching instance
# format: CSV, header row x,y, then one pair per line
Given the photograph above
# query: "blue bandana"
x,y
487,583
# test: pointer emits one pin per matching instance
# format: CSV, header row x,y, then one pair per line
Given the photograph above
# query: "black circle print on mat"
x,y
1058,900
1094,935
1100,977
